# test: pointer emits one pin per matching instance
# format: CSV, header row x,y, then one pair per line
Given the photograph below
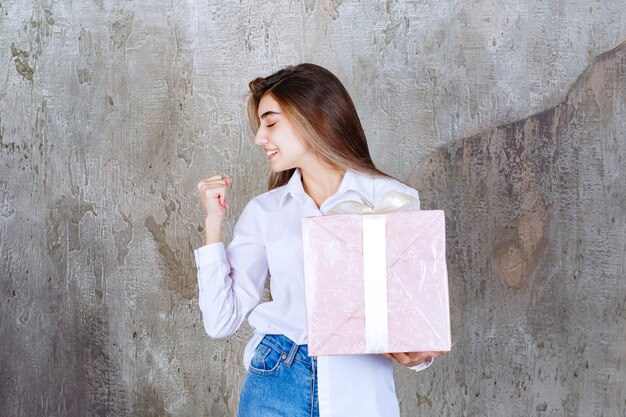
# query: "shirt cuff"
x,y
422,365
209,255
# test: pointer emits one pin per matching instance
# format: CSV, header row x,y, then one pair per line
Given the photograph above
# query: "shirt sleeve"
x,y
422,365
413,193
231,280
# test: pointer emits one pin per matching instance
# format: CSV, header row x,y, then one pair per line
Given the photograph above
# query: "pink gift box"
x,y
414,268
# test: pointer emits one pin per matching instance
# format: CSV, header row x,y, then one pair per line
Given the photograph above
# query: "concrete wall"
x,y
507,114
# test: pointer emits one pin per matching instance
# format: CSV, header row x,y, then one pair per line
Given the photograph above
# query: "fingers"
x,y
412,358
213,190
408,359
215,180
219,177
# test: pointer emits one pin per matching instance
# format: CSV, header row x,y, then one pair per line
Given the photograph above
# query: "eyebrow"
x,y
268,113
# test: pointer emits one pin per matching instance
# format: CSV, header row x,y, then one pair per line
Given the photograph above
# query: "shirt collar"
x,y
293,187
353,181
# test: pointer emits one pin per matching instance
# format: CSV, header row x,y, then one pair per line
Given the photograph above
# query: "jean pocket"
x,y
265,360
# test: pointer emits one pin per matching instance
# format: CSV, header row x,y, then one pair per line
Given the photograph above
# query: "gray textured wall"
x,y
507,114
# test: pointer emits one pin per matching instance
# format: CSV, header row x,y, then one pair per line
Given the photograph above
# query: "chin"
x,y
277,169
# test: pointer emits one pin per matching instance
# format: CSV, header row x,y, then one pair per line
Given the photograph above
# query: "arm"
x,y
231,280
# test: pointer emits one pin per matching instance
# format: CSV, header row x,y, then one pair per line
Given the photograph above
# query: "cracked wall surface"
x,y
509,115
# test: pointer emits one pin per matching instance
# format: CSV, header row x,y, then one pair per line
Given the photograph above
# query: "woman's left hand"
x,y
412,358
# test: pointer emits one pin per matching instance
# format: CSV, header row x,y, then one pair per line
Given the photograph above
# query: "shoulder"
x,y
374,186
267,201
256,212
385,184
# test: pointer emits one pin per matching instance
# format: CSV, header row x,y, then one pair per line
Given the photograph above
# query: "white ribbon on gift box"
x,y
375,262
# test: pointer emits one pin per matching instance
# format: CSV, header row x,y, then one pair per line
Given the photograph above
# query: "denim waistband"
x,y
288,348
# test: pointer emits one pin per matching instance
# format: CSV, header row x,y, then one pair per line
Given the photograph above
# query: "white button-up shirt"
x,y
268,238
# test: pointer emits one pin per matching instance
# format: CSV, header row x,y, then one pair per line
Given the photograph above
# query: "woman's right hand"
x,y
213,198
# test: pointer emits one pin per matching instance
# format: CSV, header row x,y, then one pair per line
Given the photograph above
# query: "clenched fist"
x,y
213,198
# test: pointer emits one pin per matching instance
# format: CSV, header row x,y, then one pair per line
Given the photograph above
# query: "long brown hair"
x,y
322,113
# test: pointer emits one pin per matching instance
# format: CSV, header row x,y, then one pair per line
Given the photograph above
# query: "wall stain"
x,y
84,69
76,206
97,384
48,17
185,151
94,258
20,58
182,87
12,146
422,400
529,220
123,237
148,402
331,7
66,214
36,30
120,30
391,32
76,212
309,6
5,207
181,277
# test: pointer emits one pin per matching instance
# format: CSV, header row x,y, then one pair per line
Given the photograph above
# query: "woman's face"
x,y
282,146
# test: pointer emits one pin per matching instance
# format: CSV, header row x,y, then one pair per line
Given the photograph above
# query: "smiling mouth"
x,y
271,154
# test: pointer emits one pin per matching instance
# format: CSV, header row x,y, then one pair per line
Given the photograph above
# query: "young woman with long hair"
x,y
308,127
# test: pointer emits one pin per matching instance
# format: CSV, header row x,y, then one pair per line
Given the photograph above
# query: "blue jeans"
x,y
281,381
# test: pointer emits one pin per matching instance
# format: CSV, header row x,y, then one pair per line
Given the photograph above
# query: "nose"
x,y
260,138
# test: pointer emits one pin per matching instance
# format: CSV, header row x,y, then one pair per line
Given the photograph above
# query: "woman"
x,y
308,127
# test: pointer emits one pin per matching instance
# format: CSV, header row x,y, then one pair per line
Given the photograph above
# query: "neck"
x,y
321,181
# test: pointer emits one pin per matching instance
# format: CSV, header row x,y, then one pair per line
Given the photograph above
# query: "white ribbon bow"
x,y
388,202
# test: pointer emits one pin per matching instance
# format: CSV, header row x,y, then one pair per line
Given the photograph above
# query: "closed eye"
x,y
271,125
